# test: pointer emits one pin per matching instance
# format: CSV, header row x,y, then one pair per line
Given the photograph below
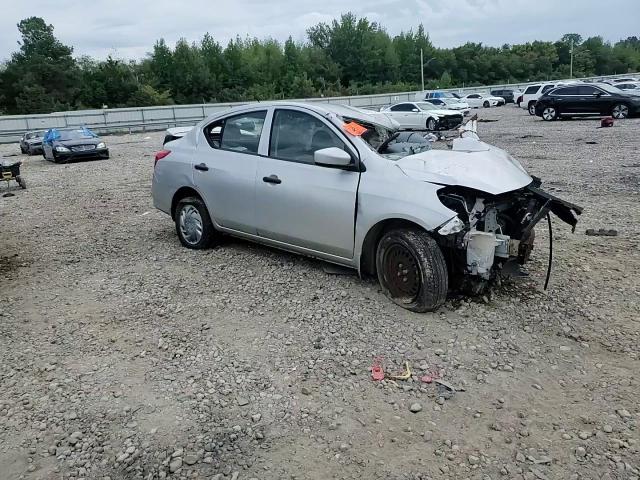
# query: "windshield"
x,y
426,106
609,88
75,134
392,144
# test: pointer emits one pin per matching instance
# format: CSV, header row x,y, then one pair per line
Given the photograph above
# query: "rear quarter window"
x,y
532,89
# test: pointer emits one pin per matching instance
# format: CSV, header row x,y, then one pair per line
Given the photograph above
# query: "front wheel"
x,y
412,270
432,124
486,104
549,114
620,111
193,224
532,108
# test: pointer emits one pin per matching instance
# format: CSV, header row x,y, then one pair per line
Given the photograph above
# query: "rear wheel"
x,y
432,124
619,111
193,224
532,108
412,270
549,114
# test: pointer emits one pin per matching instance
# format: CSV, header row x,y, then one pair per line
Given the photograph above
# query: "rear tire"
x,y
432,124
193,224
412,270
532,108
620,111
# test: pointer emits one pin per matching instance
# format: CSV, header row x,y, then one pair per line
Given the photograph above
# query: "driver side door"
x,y
301,204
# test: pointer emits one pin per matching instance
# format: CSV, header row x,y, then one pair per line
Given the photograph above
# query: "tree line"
x,y
348,56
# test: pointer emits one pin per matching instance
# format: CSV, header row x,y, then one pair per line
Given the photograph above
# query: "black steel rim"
x,y
401,272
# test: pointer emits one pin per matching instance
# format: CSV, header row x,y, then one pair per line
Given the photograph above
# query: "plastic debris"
x,y
354,129
606,122
445,390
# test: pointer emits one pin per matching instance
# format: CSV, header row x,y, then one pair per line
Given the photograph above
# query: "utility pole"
x,y
422,68
571,65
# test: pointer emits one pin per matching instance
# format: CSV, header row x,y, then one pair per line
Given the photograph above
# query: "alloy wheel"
x,y
549,113
620,111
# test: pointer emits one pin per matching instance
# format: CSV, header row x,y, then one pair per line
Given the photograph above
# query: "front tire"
x,y
412,270
620,111
432,124
193,224
486,104
549,114
532,108
22,182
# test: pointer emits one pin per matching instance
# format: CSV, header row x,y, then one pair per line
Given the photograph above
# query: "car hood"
x,y
78,141
34,141
471,163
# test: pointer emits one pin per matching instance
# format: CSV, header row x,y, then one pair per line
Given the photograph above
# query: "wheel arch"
x,y
367,262
183,192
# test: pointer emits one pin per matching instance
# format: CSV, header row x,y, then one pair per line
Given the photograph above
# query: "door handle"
x,y
272,179
202,167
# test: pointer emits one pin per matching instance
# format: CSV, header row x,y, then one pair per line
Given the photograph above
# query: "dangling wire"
x,y
546,282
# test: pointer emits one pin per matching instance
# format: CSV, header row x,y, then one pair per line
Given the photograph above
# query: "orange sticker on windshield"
x,y
354,129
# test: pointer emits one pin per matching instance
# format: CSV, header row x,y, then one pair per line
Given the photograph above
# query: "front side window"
x,y
588,90
402,107
296,136
240,133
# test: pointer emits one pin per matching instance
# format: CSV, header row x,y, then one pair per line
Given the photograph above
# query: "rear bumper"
x,y
86,154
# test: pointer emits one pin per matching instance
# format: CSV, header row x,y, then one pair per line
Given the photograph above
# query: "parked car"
x,y
442,99
334,183
423,115
533,92
623,80
587,100
477,100
630,87
175,133
31,142
62,145
509,95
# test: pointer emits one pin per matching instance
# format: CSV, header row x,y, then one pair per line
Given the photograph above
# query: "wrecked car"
x,y
344,186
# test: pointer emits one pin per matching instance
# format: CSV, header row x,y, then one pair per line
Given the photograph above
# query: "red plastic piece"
x,y
377,373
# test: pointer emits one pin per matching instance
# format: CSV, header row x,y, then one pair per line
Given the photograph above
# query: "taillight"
x,y
160,155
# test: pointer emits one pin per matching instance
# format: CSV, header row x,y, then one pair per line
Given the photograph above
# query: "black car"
x,y
61,146
31,142
586,100
508,95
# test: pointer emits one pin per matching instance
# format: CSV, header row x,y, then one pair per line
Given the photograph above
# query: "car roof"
x,y
324,109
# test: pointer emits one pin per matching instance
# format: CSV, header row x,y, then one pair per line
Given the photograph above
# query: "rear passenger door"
x,y
299,203
224,169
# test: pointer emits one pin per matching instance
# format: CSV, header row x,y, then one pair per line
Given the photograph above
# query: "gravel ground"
x,y
126,356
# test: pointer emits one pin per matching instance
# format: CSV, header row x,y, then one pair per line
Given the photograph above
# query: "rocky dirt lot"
x,y
126,356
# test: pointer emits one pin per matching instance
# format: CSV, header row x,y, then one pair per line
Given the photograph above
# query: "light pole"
x,y
422,65
571,64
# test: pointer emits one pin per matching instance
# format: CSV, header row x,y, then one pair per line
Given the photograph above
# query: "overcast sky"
x,y
128,28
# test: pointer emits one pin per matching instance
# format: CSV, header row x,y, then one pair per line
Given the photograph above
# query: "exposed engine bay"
x,y
492,230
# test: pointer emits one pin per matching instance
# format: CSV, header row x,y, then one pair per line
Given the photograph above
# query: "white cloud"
x,y
129,28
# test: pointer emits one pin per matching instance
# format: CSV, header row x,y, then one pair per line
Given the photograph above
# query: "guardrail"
x,y
158,118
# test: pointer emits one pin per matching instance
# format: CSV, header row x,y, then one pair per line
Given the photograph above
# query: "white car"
x,y
533,92
175,133
423,115
446,100
477,100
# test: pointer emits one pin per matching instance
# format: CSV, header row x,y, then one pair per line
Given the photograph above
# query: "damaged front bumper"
x,y
491,231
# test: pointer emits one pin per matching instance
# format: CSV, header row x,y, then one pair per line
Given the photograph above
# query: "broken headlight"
x,y
454,225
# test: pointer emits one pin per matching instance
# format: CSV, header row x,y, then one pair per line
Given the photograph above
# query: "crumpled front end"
x,y
494,233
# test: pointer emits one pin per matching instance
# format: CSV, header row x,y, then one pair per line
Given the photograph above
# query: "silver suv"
x,y
346,186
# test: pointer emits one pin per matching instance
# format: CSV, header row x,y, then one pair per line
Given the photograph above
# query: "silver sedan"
x,y
344,186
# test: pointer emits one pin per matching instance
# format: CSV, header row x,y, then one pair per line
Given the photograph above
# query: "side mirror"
x,y
332,157
597,95
415,110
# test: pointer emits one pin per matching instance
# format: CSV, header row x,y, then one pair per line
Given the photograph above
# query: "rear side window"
x,y
296,136
403,107
565,91
531,90
240,133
